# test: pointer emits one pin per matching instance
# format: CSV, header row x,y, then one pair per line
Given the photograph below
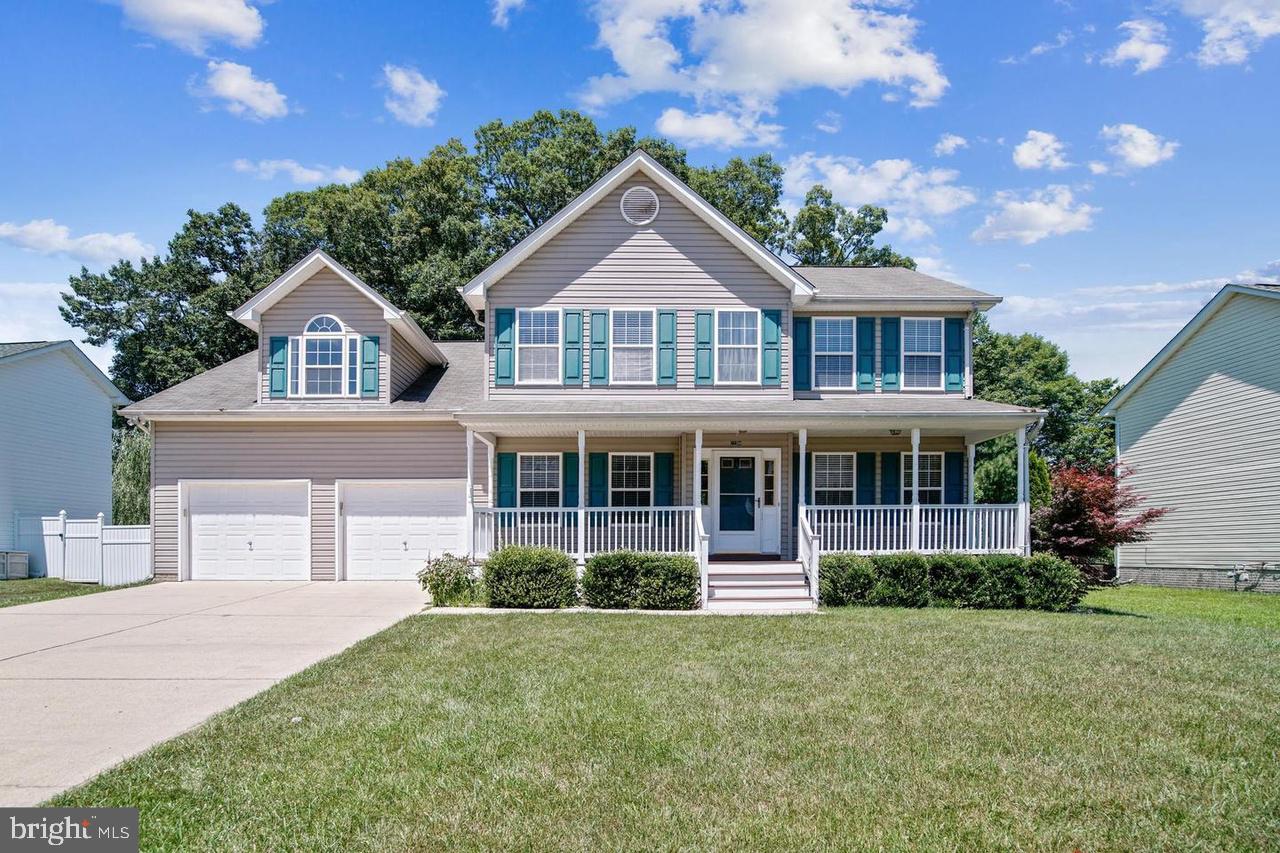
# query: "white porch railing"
x,y
810,547
703,543
670,530
971,528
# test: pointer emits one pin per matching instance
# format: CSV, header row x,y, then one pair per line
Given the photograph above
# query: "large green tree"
x,y
826,233
750,193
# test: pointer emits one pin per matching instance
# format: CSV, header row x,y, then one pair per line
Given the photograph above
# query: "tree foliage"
x,y
1090,512
827,233
131,477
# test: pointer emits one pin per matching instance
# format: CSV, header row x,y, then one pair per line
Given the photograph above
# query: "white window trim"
x,y
813,487
942,479
300,342
559,380
560,491
653,362
715,347
652,478
813,354
941,354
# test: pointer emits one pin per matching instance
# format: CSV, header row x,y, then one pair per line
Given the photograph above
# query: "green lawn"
x,y
1152,721
31,590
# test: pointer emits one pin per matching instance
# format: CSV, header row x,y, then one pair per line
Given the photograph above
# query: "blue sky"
x,y
1105,167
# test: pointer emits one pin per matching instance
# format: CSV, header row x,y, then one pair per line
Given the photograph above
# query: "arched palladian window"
x,y
323,360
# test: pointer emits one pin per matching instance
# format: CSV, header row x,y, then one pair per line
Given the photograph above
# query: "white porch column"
x,y
915,489
471,492
582,497
1024,515
697,471
970,451
803,487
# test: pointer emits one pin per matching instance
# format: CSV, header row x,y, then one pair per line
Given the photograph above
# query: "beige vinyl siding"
x,y
321,453
324,293
407,364
818,393
678,262
1202,435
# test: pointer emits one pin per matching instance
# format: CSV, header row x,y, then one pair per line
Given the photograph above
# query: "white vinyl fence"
x,y
89,551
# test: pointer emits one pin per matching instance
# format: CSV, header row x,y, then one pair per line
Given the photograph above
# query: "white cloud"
x,y
414,99
1097,167
721,128
938,268
265,170
31,314
1061,40
1233,29
1147,46
502,10
829,123
1030,218
1137,147
1266,274
948,144
741,57
193,24
1040,150
241,93
47,237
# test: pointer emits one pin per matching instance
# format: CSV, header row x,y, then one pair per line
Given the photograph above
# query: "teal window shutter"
x,y
704,327
279,367
569,479
866,353
890,353
369,366
573,347
664,479
891,478
771,356
666,347
801,349
597,479
866,463
953,347
504,340
506,479
599,347
953,477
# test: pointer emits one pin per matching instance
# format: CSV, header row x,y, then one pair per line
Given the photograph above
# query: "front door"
x,y
740,522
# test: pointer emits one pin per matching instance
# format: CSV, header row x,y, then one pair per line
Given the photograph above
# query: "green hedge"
x,y
543,578
989,581
453,582
630,580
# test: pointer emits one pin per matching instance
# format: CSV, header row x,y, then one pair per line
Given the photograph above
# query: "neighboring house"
x,y
650,378
55,440
1200,428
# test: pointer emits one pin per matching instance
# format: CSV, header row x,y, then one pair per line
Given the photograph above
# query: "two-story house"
x,y
650,378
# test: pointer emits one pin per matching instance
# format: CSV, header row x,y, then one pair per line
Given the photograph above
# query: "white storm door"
x,y
736,501
390,529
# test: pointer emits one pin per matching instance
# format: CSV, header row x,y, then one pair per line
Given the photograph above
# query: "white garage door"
x,y
249,531
391,529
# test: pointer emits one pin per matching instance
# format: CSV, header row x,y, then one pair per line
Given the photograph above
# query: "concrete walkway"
x,y
89,681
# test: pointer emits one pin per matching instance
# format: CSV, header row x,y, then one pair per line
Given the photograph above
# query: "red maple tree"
x,y
1090,512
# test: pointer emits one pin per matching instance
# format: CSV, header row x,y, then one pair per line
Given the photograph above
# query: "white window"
x,y
833,342
538,346
930,478
324,360
539,479
630,479
834,479
631,345
738,347
921,353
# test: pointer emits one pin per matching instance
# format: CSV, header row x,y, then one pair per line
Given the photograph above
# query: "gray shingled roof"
x,y
884,283
8,349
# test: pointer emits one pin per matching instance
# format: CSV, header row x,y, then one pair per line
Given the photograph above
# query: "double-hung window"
x,y
538,346
324,360
738,347
539,479
922,353
930,478
632,343
631,479
834,481
833,342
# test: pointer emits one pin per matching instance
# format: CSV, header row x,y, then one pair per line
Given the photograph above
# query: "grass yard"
x,y
31,590
1152,721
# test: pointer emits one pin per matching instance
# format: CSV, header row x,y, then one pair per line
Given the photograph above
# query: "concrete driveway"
x,y
87,682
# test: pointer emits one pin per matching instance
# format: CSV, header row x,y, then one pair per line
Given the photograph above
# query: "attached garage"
x,y
390,528
247,529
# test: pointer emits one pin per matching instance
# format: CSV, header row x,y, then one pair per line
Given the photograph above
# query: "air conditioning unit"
x,y
13,565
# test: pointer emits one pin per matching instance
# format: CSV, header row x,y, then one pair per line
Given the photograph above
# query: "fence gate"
x,y
89,551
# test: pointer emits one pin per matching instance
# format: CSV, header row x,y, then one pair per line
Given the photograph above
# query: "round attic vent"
x,y
639,205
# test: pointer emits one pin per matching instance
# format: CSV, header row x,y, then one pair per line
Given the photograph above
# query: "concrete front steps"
x,y
768,587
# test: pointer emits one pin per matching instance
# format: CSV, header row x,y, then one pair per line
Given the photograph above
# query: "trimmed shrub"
x,y
845,579
621,580
1003,585
902,580
518,576
1053,584
453,582
953,577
